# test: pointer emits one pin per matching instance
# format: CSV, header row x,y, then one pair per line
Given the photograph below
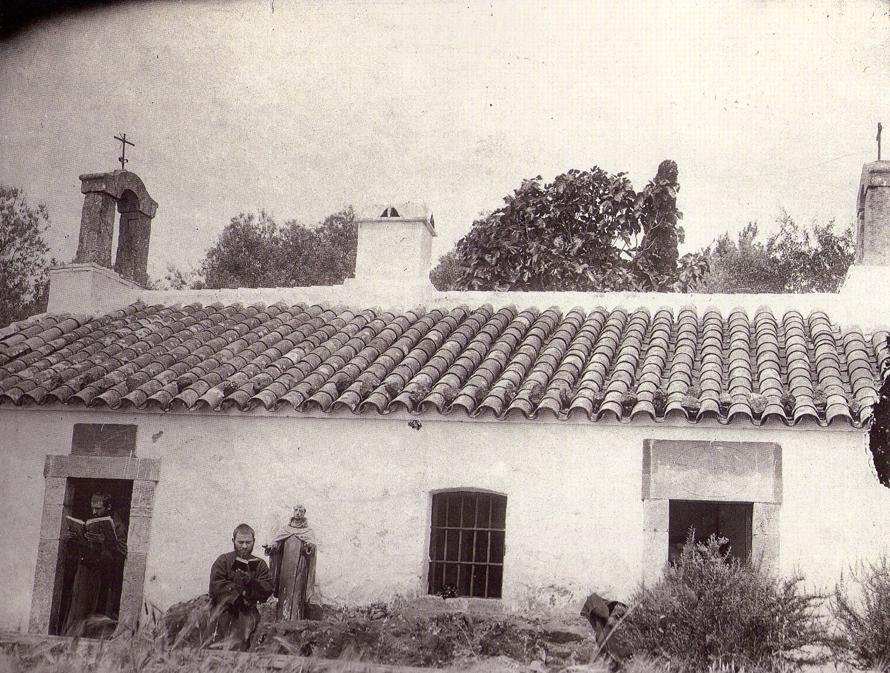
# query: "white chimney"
x,y
394,247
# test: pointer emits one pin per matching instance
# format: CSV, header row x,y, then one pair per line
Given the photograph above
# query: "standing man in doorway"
x,y
238,581
100,563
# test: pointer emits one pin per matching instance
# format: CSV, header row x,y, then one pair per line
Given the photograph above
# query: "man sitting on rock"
x,y
238,581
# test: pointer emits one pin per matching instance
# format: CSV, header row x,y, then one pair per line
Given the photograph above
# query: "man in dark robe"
x,y
292,556
238,581
604,616
96,592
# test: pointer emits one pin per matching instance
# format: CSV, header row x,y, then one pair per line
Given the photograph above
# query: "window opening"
x,y
731,520
467,544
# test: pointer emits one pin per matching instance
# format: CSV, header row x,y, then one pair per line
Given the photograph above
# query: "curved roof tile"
x,y
621,364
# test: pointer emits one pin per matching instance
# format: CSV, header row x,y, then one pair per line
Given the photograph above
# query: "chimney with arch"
x,y
394,246
95,279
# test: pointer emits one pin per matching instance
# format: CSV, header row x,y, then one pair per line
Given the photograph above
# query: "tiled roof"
x,y
617,364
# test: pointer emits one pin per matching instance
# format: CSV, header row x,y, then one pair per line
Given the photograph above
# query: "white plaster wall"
x,y
25,440
574,509
393,249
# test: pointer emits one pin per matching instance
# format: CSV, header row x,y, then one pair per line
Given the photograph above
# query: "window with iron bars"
x,y
467,544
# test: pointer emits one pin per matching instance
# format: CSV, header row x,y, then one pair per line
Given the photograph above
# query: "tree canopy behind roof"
x,y
585,231
24,265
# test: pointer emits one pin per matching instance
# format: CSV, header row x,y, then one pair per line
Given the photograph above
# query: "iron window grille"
x,y
467,531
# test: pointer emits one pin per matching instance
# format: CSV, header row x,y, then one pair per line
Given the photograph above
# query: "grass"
x,y
708,614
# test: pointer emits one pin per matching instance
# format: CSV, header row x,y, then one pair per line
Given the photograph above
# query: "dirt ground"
x,y
429,632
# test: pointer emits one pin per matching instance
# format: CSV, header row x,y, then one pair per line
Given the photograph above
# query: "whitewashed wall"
x,y
574,510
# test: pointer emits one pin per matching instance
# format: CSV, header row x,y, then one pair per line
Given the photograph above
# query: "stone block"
x,y
54,491
143,494
55,466
139,533
656,516
148,469
103,467
655,555
103,439
133,588
765,535
873,206
712,470
46,578
51,522
96,228
131,261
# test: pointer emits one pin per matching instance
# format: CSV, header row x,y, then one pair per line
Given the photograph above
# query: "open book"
x,y
101,524
247,565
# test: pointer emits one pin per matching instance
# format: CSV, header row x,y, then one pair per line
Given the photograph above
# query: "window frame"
x,y
439,565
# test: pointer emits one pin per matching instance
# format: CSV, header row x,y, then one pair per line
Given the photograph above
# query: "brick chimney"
x,y
89,283
394,246
867,285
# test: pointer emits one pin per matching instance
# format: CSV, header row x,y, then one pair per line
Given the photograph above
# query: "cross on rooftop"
x,y
124,142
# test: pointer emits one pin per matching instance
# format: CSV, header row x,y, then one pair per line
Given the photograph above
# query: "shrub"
x,y
710,609
861,609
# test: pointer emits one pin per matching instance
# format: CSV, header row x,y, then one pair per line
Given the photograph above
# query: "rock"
x,y
557,632
8,664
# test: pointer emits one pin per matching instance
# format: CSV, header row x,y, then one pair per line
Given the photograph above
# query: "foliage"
x,y
447,273
178,279
399,632
794,259
24,269
710,608
861,608
580,232
253,251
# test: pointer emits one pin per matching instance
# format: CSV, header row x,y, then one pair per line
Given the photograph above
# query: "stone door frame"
x,y
719,472
48,577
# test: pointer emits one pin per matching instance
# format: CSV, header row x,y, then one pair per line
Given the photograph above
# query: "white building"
x,y
524,448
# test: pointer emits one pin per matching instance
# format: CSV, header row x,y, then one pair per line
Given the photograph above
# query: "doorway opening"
x,y
98,589
730,520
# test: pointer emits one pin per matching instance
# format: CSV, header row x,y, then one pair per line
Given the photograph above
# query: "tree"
x,y
447,273
24,269
580,232
793,260
253,251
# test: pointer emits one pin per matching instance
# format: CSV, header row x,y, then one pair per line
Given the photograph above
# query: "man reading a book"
x,y
100,545
238,581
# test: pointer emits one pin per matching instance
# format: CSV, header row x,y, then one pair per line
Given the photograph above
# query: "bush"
x,y
712,610
861,609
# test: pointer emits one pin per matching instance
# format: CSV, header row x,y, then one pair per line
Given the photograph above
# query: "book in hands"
x,y
247,565
101,524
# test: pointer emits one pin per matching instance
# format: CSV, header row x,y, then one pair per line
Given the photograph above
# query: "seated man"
x,y
96,593
238,581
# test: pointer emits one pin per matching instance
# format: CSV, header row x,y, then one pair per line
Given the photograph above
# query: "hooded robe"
x,y
96,591
292,557
235,595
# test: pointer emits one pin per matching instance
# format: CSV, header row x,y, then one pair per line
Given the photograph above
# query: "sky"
x,y
301,108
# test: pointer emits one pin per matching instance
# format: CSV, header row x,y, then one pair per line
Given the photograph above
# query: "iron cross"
x,y
124,142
